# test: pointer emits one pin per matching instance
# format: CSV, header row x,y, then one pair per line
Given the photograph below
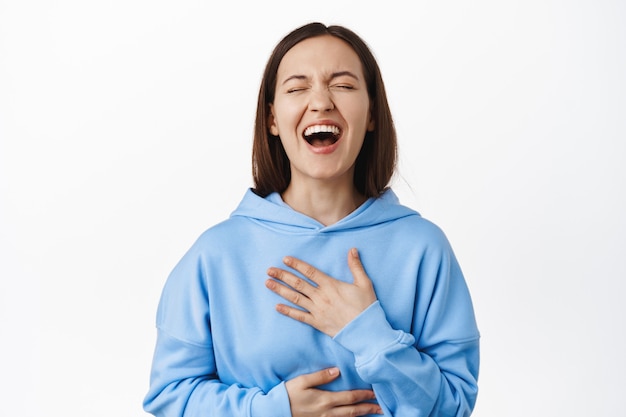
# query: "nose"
x,y
321,100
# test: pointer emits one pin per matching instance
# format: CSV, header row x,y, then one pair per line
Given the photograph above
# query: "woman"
x,y
265,317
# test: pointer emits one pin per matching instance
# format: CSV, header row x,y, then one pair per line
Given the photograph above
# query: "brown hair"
x,y
376,161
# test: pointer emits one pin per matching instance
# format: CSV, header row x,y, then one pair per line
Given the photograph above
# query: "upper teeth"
x,y
321,128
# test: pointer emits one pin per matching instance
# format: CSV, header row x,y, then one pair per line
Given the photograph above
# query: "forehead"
x,y
319,55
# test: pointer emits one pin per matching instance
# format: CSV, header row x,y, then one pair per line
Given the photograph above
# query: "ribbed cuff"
x,y
368,334
273,404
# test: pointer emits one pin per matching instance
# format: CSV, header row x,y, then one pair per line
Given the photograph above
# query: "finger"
x,y
295,313
318,378
356,267
358,410
295,282
305,269
352,397
288,294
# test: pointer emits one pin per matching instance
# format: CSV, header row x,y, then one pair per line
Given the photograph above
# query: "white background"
x,y
125,131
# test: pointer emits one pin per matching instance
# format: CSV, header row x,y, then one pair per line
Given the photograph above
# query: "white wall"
x,y
125,129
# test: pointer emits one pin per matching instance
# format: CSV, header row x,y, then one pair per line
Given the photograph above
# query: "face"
x,y
321,109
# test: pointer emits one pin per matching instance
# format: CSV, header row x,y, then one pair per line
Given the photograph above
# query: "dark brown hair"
x,y
376,161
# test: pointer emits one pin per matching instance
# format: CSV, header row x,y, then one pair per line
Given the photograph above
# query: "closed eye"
x,y
344,87
295,89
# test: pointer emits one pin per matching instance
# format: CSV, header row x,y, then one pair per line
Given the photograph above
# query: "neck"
x,y
326,203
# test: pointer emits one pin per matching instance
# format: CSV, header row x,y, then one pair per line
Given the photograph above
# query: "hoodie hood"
x,y
274,213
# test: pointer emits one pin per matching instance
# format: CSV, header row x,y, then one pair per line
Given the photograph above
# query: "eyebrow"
x,y
333,76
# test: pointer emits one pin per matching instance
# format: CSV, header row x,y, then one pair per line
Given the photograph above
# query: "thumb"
x,y
356,267
322,377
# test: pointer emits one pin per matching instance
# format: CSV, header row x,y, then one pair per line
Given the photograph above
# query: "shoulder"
x,y
423,234
223,233
410,223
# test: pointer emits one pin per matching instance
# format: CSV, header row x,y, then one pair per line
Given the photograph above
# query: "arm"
x,y
184,382
431,372
184,379
410,380
174,392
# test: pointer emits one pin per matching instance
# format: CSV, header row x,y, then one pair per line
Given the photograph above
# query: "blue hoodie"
x,y
223,351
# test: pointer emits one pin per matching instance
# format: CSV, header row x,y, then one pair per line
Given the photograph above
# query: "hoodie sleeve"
x,y
184,380
432,370
184,383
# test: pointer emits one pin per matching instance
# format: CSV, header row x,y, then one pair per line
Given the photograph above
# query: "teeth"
x,y
321,128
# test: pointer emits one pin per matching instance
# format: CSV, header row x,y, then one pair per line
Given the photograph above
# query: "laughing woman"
x,y
321,295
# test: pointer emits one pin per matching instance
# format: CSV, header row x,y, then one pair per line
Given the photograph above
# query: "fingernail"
x,y
333,371
272,272
354,252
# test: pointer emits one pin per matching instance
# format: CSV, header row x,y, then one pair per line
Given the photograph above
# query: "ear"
x,y
271,122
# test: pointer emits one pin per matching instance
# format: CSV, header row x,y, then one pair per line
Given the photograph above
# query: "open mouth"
x,y
322,135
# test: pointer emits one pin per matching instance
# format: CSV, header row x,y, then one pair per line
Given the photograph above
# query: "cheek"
x,y
285,117
363,120
358,112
